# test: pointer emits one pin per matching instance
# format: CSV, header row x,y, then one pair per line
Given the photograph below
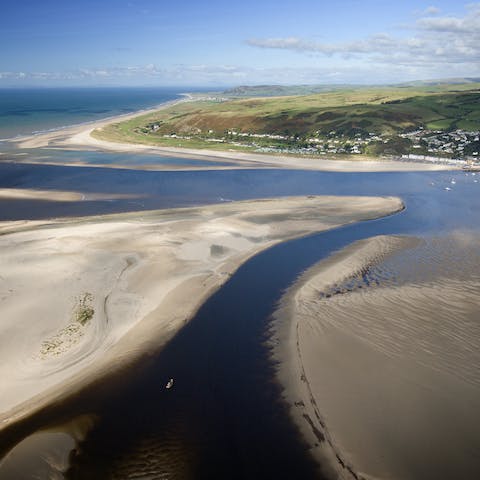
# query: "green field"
x,y
346,113
281,90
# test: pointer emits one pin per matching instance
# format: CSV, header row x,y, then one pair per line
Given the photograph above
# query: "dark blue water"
x,y
28,110
224,417
425,192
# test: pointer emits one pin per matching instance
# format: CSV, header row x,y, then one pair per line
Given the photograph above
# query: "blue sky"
x,y
154,42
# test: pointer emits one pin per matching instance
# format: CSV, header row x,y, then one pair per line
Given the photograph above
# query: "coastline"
x,y
144,275
78,137
372,378
110,118
295,339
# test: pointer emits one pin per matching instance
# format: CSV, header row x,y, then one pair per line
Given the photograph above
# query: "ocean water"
x,y
26,111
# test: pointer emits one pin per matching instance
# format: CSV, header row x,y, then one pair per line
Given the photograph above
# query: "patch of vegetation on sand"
x,y
68,336
84,311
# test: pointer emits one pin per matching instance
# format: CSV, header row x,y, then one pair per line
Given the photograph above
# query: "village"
x,y
420,144
456,144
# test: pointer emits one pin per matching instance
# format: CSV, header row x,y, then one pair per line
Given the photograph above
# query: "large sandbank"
x,y
379,355
83,297
79,137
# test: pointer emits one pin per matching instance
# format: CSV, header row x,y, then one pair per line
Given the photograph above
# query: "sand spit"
x,y
31,194
79,138
58,195
379,355
82,297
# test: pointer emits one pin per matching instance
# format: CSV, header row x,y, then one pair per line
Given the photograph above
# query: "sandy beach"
x,y
58,195
96,293
78,137
383,379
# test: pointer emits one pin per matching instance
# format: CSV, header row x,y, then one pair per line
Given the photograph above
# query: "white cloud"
x,y
434,40
431,10
403,69
198,73
379,41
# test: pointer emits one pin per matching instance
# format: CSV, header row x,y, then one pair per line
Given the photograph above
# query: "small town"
x,y
420,144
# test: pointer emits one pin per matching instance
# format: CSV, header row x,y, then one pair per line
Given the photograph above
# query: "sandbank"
x,y
58,195
383,377
82,298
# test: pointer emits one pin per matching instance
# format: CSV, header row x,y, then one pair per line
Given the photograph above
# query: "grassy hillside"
x,y
288,90
348,114
281,90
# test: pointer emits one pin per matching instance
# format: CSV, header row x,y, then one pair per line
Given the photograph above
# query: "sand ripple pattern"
x,y
382,349
422,303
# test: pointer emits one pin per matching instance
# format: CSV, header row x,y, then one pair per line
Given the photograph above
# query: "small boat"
x,y
169,384
447,189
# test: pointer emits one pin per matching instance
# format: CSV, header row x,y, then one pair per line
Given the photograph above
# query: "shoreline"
x,y
375,366
294,356
111,118
145,276
78,137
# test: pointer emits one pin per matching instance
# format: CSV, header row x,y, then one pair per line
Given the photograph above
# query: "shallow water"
x,y
99,158
223,418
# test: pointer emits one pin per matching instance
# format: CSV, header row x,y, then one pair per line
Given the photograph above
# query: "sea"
x,y
33,110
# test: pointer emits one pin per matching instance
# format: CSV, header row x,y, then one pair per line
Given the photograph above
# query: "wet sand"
x,y
96,293
59,195
379,356
46,454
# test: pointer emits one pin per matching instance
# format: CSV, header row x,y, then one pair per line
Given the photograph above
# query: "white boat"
x,y
169,384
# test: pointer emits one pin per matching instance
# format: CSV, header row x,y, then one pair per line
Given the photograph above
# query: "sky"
x,y
220,43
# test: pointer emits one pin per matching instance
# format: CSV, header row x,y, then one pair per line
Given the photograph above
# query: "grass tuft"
x,y
84,312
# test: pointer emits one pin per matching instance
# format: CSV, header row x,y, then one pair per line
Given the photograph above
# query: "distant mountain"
x,y
442,81
281,90
286,90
